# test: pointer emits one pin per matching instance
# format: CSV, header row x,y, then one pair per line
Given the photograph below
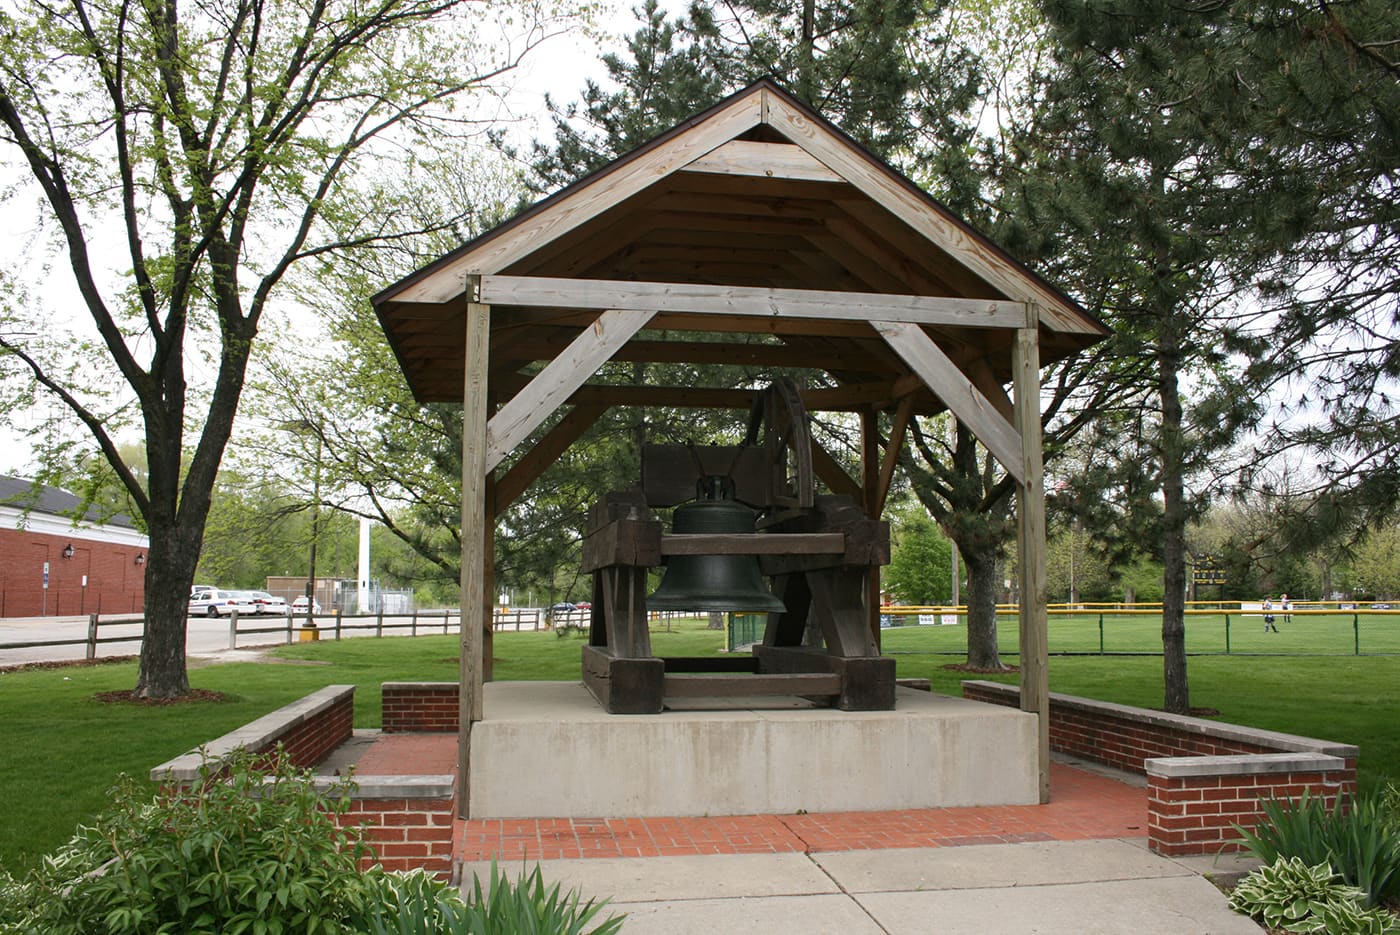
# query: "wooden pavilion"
x,y
764,227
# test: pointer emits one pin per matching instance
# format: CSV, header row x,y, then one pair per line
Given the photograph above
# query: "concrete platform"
x,y
548,749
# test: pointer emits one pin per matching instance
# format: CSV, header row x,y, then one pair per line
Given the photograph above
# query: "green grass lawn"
x,y
60,749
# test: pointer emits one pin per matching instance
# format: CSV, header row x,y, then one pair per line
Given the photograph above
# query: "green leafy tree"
x,y
921,561
206,148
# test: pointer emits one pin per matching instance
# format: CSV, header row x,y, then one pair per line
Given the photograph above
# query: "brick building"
x,y
53,565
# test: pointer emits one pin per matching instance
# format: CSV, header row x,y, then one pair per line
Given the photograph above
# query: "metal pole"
x,y
1101,633
1227,634
1356,633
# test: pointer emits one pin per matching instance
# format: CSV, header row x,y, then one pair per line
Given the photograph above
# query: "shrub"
x,y
251,850
1291,895
417,904
1361,841
253,847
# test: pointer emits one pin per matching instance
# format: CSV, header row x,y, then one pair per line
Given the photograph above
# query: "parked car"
x,y
269,603
561,607
219,603
299,606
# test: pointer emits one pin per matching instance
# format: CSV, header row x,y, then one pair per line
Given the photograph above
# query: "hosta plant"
x,y
1292,895
1359,839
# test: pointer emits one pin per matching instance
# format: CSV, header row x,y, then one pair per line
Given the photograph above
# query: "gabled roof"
x,y
756,193
21,494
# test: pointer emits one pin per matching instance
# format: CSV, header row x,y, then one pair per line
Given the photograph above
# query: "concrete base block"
x,y
545,749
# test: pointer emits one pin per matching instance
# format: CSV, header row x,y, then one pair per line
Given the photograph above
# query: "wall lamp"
x,y
68,550
140,558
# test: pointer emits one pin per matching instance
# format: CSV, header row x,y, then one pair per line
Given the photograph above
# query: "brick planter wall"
x,y
406,821
308,730
1193,804
1203,776
420,707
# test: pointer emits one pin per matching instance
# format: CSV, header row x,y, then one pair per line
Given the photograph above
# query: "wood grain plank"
x,y
859,169
474,471
583,203
749,301
951,385
1030,541
764,160
558,381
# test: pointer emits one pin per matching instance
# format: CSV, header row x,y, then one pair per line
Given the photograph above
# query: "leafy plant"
x,y
1348,918
1360,840
416,904
1291,894
525,906
252,849
412,903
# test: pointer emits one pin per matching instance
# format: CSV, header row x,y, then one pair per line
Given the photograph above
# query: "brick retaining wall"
x,y
405,820
420,707
1203,776
308,729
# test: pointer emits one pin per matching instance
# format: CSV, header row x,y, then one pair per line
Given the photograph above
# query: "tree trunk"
x,y
170,566
982,652
1177,696
716,620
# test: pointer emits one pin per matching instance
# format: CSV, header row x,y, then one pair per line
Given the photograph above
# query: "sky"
x,y
558,67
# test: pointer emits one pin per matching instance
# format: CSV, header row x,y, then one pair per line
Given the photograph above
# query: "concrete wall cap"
x,y
1234,732
437,786
1185,767
255,735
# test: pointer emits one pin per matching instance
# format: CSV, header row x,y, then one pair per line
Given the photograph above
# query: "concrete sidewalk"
x,y
1044,887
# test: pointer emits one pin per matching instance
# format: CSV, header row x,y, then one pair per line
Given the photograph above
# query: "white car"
x,y
217,603
269,603
299,607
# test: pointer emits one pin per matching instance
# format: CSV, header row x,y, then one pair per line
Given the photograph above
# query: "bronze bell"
x,y
714,582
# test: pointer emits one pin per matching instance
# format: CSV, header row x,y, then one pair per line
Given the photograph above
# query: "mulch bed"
x,y
964,667
196,696
68,663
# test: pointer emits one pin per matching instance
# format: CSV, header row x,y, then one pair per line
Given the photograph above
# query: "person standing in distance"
x,y
1268,609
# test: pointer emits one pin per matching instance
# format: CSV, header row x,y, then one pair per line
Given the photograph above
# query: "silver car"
x,y
269,603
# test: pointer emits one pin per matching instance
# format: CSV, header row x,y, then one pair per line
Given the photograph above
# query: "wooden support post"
x,y
874,504
488,581
474,521
1030,539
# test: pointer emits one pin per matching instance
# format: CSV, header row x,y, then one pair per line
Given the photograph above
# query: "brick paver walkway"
x,y
1083,805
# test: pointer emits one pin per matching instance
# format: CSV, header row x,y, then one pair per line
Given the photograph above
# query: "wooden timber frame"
x,y
754,233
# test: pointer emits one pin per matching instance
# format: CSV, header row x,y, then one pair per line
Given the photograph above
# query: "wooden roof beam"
x,y
558,381
951,385
749,301
764,160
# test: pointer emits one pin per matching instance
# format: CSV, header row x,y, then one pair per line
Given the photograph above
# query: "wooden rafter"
x,y
558,381
747,301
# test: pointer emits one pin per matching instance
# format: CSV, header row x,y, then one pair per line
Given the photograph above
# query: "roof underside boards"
x,y
760,197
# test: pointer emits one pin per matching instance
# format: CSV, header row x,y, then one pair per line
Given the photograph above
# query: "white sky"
x,y
558,67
